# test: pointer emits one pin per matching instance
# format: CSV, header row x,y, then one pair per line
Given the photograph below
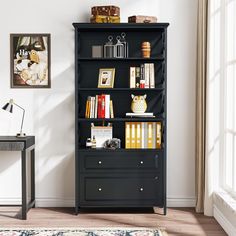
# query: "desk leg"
x,y
33,177
24,189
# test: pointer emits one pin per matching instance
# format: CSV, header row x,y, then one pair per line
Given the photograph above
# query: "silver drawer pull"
x,y
141,162
99,189
99,162
156,178
141,189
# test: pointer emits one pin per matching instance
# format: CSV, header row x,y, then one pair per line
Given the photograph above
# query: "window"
x,y
222,91
229,156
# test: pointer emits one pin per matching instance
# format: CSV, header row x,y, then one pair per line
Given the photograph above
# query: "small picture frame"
x,y
106,78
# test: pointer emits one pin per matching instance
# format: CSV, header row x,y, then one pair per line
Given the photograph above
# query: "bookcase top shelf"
x,y
120,26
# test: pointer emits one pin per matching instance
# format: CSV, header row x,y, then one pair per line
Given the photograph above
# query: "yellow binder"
x,y
158,135
133,140
138,134
127,135
150,135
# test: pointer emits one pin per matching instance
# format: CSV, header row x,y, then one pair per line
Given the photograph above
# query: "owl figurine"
x,y
139,104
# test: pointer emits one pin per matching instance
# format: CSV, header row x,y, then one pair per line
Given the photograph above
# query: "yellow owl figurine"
x,y
139,104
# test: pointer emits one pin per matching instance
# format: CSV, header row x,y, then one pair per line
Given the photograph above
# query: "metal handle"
x,y
99,162
100,189
141,189
141,162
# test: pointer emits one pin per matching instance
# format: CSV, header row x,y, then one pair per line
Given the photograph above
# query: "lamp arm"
x,y
22,122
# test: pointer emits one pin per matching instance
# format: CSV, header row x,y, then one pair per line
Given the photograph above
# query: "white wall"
x,y
50,112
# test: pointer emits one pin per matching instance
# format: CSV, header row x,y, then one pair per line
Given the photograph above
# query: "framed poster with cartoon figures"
x,y
30,60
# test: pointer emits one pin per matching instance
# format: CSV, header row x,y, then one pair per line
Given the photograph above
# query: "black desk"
x,y
12,143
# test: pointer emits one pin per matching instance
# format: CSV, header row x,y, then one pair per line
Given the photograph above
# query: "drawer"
x,y
126,188
12,146
118,160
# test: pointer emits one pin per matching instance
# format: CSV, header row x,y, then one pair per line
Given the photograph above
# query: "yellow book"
x,y
133,141
150,135
86,110
127,135
138,135
158,135
111,109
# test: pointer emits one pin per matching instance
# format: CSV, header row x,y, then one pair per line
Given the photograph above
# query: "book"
x,y
99,106
107,106
87,111
152,75
137,77
92,107
127,135
142,134
111,109
145,114
96,107
158,134
103,106
154,134
146,74
132,77
142,77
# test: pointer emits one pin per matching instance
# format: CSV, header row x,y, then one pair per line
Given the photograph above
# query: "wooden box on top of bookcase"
x,y
133,175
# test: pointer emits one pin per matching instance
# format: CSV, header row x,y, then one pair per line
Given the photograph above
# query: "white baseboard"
x,y
57,202
181,202
223,221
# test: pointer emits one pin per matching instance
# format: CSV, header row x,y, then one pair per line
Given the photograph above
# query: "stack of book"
x,y
143,76
100,106
143,135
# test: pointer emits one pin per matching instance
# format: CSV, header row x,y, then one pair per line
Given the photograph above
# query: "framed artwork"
x,y
30,60
106,78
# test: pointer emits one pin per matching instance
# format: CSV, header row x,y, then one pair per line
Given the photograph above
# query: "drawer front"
x,y
11,146
119,161
126,188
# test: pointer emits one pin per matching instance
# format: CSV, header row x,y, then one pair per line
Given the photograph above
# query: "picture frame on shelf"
x,y
106,78
30,56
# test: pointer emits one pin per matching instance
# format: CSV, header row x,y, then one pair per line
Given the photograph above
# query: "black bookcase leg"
x,y
76,210
33,177
164,210
24,187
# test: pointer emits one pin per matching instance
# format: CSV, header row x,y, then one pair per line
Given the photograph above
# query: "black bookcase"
x,y
121,177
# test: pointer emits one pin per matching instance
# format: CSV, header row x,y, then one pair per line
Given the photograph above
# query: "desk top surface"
x,y
6,142
16,139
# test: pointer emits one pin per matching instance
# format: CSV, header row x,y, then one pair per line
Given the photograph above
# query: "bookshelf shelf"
x,y
158,58
121,177
143,119
122,89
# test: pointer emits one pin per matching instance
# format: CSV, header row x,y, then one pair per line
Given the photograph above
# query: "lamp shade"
x,y
8,106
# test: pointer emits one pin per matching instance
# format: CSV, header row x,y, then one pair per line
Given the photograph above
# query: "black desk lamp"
x,y
9,107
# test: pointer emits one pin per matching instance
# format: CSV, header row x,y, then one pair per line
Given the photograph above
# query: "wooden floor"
x,y
178,221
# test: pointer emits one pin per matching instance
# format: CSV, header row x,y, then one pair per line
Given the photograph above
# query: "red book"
x,y
103,106
99,106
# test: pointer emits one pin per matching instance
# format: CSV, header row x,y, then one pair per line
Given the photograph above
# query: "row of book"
x,y
143,76
143,135
99,106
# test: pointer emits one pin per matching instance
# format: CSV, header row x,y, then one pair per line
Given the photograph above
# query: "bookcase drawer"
x,y
122,188
116,161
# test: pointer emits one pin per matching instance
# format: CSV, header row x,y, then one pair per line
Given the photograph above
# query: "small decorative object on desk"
x,y
9,107
93,142
113,143
109,48
146,49
142,19
139,104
